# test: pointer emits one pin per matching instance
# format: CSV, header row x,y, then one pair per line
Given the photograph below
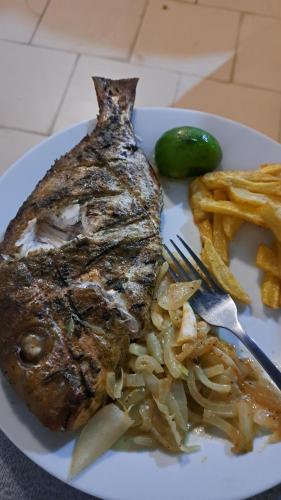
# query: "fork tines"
x,y
185,269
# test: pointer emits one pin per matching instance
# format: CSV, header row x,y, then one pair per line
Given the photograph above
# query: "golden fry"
x,y
240,195
219,238
243,179
229,208
222,273
219,194
271,216
205,229
270,291
272,169
198,192
277,248
231,225
266,260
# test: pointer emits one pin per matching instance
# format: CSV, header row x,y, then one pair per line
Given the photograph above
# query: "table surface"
x,y
21,479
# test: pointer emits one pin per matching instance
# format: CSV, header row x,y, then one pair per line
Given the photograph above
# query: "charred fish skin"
x,y
79,266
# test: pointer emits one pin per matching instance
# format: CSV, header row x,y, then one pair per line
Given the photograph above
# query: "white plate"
x,y
213,473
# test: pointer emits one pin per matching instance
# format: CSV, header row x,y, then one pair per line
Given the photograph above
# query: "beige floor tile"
x,y
155,88
106,27
14,144
18,18
258,58
265,7
188,38
33,81
256,108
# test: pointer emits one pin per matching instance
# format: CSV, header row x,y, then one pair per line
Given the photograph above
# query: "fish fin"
x,y
115,97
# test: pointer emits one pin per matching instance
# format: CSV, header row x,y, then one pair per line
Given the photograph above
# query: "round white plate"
x,y
212,473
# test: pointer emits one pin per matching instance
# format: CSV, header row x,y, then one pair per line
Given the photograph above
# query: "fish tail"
x,y
115,98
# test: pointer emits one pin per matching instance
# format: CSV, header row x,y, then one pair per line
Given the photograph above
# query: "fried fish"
x,y
79,263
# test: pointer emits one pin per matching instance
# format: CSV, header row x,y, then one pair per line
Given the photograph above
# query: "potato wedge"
x,y
205,229
222,273
219,238
231,225
270,291
271,216
266,260
244,212
198,192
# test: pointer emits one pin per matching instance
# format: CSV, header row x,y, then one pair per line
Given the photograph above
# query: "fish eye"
x,y
32,347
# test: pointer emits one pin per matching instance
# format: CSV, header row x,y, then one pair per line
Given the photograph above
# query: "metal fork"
x,y
216,306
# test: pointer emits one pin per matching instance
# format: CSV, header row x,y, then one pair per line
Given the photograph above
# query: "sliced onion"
x,y
201,375
224,409
175,411
156,316
178,294
164,409
176,369
245,421
178,392
137,349
133,380
152,383
147,363
154,347
188,328
211,418
100,433
114,387
176,317
213,371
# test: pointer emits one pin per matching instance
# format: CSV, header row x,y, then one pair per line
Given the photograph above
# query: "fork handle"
x,y
270,368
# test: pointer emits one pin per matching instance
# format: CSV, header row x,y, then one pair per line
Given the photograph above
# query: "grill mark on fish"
x,y
90,263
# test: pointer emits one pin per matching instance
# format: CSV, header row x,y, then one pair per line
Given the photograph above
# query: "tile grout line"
x,y
176,89
27,131
133,44
279,131
146,65
50,130
224,9
39,21
236,45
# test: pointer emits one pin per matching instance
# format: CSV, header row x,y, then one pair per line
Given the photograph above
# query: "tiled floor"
x,y
221,56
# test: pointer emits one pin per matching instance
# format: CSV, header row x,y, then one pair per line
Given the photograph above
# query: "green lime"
x,y
187,152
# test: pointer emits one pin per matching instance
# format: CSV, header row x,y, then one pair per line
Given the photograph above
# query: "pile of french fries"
x,y
221,202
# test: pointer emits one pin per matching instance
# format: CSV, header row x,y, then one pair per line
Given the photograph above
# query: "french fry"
x,y
243,179
272,169
198,192
219,238
231,225
205,229
270,291
271,216
278,253
241,195
243,212
222,273
266,260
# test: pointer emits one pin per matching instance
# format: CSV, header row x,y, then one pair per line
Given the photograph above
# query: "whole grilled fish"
x,y
79,263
